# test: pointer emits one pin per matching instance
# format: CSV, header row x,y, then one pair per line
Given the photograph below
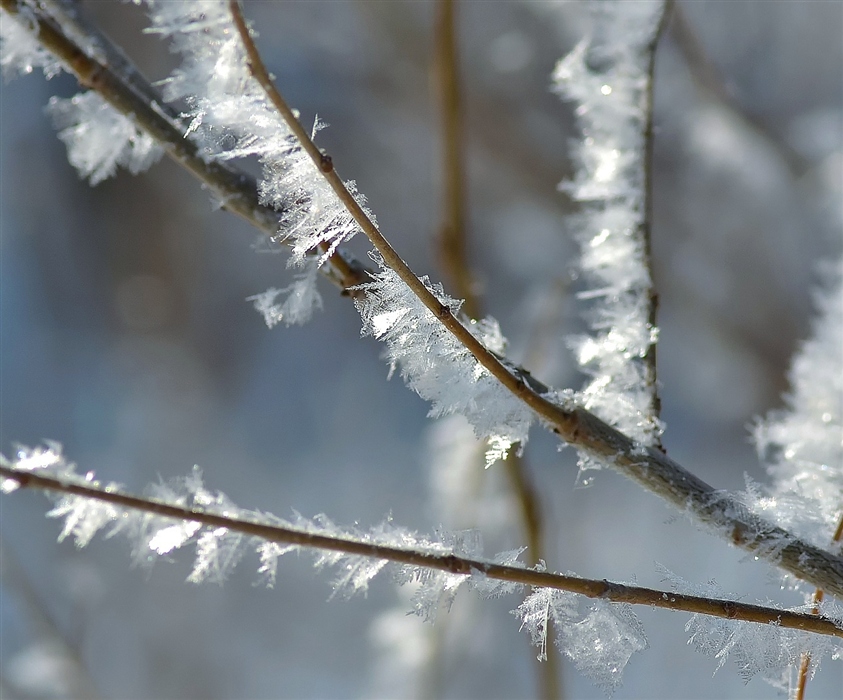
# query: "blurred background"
x,y
125,335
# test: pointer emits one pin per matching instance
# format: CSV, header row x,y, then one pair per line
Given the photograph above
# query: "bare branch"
x,y
452,237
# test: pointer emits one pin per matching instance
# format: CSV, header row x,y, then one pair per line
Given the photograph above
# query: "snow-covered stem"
x,y
648,467
450,563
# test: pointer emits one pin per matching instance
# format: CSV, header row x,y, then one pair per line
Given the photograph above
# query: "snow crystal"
x,y
757,649
600,642
436,366
20,51
302,300
99,138
231,117
802,445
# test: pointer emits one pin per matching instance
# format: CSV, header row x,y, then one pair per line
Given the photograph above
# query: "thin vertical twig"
x,y
819,594
646,233
453,233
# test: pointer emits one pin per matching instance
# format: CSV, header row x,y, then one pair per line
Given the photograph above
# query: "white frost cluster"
x,y
439,368
20,52
802,445
606,75
302,297
599,641
768,651
231,117
99,138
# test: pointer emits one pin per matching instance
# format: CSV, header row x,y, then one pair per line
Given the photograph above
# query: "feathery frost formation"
x,y
802,445
20,52
769,651
231,117
228,116
599,640
99,138
438,367
607,76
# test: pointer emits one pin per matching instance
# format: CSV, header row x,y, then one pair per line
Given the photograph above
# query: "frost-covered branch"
x,y
609,75
176,524
96,67
647,466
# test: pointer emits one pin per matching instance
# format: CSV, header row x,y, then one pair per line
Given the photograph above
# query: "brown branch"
x,y
451,563
805,666
452,234
651,374
453,256
649,468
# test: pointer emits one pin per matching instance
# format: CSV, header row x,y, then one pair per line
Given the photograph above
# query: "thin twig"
x,y
651,374
77,678
452,233
649,468
805,666
451,563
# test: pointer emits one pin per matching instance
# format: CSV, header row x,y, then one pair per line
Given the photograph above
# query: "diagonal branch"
x,y
450,563
650,468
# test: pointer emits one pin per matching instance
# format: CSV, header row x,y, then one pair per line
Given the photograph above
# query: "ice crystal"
x,y
302,298
99,138
231,117
20,51
607,76
802,445
756,649
600,641
436,366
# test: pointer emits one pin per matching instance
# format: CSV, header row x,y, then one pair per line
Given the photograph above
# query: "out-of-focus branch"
x,y
77,679
805,666
452,233
451,563
707,77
